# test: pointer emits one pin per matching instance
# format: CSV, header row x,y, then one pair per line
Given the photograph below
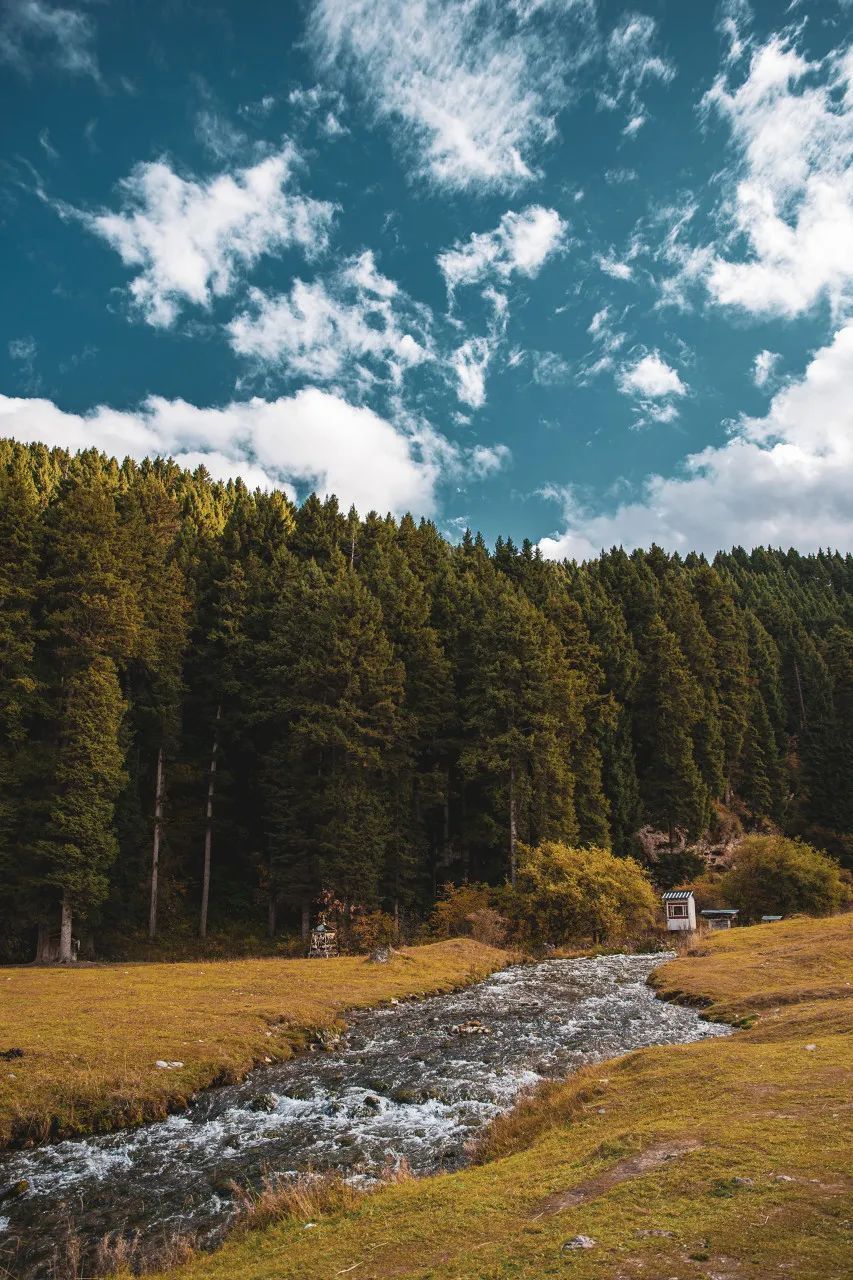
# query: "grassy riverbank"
x,y
91,1037
722,1160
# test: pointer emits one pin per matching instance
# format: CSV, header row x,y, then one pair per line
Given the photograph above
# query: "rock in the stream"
x,y
14,1189
472,1028
267,1102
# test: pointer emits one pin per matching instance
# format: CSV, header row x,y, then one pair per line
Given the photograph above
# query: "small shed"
x,y
719,917
680,909
770,919
324,942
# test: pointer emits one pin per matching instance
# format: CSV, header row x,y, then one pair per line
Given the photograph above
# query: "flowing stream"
x,y
415,1081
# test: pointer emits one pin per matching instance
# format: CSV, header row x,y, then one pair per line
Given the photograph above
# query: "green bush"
x,y
772,875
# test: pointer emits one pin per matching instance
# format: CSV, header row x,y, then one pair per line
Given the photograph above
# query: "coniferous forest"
x,y
257,703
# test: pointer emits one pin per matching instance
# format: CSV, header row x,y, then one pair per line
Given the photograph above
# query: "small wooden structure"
x,y
680,909
719,917
770,919
324,942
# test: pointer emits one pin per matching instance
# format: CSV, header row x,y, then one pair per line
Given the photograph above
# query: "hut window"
x,y
677,908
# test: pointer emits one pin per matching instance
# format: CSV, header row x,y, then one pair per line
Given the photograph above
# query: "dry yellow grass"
x,y
727,1159
91,1036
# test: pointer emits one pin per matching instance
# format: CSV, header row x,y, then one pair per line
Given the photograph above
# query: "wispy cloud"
x,y
473,87
763,368
349,329
791,196
470,362
785,241
631,63
32,31
191,238
520,244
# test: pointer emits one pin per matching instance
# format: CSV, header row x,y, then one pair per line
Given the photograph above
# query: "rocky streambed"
x,y
415,1081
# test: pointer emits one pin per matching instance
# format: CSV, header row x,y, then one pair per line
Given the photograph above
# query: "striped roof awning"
x,y
677,895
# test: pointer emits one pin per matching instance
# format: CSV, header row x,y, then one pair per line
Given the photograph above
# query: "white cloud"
x,y
519,245
790,193
473,88
611,266
311,440
650,377
352,328
190,238
22,349
31,30
734,19
485,460
549,368
632,62
763,367
470,362
218,135
780,480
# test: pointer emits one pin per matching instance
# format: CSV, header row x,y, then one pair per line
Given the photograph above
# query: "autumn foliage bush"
x,y
772,875
562,894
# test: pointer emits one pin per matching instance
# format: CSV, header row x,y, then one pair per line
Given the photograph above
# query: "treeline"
x,y
276,701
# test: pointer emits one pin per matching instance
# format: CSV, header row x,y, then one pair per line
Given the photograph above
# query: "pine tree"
x,y
668,706
79,844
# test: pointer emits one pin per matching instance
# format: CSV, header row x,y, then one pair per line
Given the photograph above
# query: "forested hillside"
x,y
360,707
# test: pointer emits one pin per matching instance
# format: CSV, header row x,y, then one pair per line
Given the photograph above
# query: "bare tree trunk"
x,y
396,919
512,825
42,944
208,829
272,914
65,955
306,919
155,848
800,695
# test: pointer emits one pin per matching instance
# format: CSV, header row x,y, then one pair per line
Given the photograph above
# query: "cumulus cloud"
x,y
650,377
311,440
612,266
520,244
190,238
351,329
473,88
470,362
763,367
485,460
779,480
32,30
787,212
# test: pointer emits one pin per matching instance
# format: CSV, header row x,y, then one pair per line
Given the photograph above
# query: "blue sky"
x,y
559,269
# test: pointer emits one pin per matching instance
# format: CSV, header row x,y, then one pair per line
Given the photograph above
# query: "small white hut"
x,y
680,910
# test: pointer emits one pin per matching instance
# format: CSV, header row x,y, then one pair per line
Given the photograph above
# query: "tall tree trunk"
x,y
155,848
208,828
42,943
306,919
513,827
272,913
396,919
800,695
65,954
